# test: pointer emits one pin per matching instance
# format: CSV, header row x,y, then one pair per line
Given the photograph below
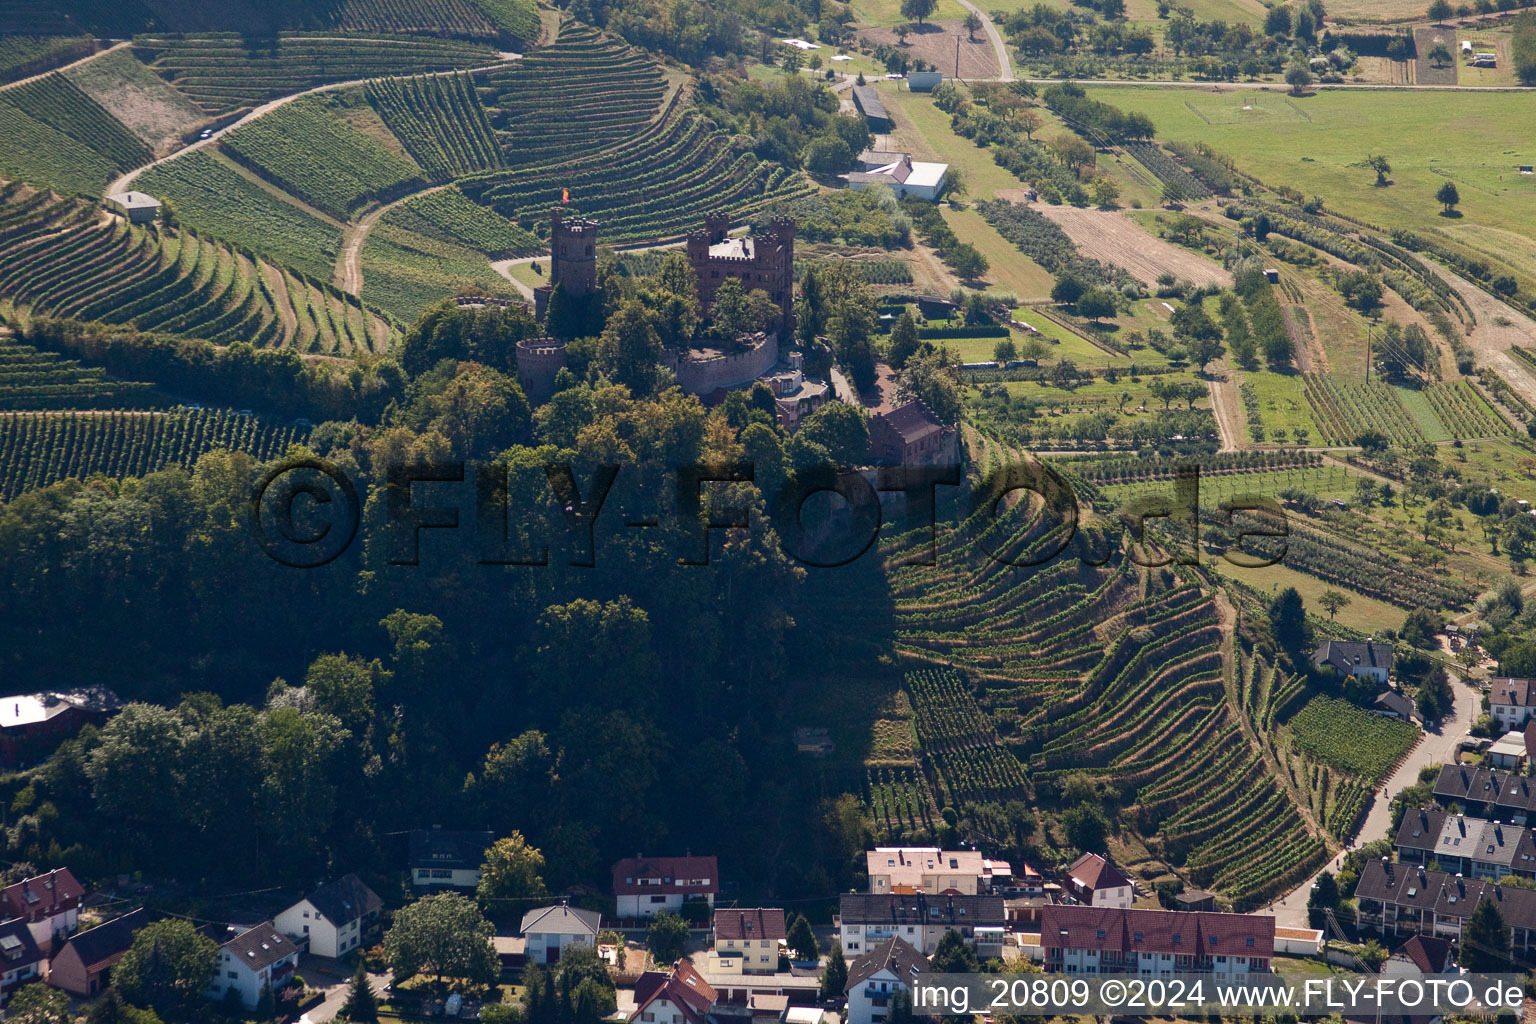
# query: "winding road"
x,y
1435,748
1004,65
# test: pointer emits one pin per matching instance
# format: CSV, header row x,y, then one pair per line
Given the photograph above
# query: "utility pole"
x,y
957,55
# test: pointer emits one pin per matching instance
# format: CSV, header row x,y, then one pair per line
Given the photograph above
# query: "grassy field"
x,y
1474,139
1363,613
1282,405
1067,345
924,129
885,13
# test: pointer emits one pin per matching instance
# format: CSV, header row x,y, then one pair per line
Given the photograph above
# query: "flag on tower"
x,y
565,195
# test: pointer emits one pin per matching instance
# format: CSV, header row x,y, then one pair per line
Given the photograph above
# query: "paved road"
x,y
325,974
1433,748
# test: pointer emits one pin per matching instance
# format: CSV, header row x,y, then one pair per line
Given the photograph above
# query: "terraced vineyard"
x,y
1345,411
1111,672
439,120
448,216
24,55
404,271
38,449
59,103
60,258
32,379
225,71
460,19
311,154
658,185
585,93
54,135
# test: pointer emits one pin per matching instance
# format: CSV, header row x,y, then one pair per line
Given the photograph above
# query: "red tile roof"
x,y
42,896
1094,872
759,923
683,986
691,876
1195,933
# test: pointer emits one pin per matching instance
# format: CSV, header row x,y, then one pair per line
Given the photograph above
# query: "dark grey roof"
x,y
1349,655
345,900
1420,829
921,908
16,946
892,953
106,942
261,946
1503,790
561,920
1391,700
442,848
868,102
1407,885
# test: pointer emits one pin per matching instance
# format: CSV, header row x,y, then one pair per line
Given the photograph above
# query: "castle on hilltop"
x,y
760,261
572,260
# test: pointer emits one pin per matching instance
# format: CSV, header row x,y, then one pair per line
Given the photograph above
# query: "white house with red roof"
x,y
1104,940
647,886
1093,880
678,996
49,904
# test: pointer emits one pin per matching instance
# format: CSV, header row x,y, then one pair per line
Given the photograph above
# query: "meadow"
x,y
1476,140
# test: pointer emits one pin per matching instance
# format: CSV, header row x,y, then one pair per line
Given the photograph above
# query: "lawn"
x,y
1474,139
1067,345
1282,406
1362,613
924,130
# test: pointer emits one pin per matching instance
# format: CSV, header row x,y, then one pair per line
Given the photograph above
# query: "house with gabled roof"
x,y
747,940
1421,954
1093,880
257,958
646,886
83,967
1108,940
442,857
1371,659
1509,702
551,931
890,966
48,903
21,960
678,996
919,919
911,435
332,920
1486,793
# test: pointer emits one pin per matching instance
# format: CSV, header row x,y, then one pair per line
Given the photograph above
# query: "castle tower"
x,y
717,226
781,236
572,254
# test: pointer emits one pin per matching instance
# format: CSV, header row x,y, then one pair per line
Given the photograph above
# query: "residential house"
x,y
1107,940
1486,793
795,396
1509,703
20,959
441,857
1475,847
1393,704
332,920
1369,660
49,904
1093,880
1406,898
678,996
1421,954
551,931
646,886
257,958
84,966
911,435
929,869
864,920
908,178
747,941
890,966
33,724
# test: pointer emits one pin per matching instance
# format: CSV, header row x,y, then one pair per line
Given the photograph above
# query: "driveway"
x,y
1434,748
332,978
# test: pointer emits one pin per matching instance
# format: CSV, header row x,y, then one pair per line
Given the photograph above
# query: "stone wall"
x,y
701,376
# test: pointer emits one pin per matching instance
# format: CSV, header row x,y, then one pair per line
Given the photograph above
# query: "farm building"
x,y
136,206
924,81
32,724
905,176
868,103
911,435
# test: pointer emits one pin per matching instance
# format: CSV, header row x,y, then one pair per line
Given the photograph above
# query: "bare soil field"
x,y
139,98
1425,37
1498,328
1111,236
934,42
